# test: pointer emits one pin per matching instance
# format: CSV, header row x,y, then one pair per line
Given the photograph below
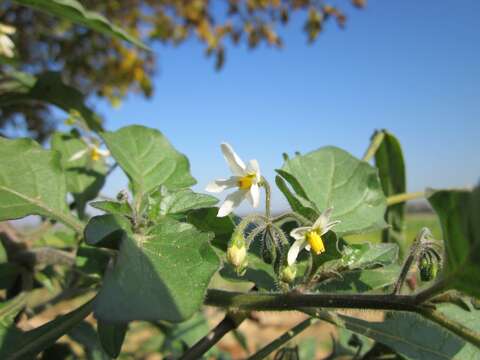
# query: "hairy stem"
x,y
292,301
375,143
277,343
268,196
400,198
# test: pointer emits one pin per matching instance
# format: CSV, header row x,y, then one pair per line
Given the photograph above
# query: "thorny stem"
x,y
414,252
277,343
268,195
375,143
291,216
400,198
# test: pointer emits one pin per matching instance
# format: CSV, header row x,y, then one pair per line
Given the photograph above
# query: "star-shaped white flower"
x,y
6,44
310,237
92,150
246,178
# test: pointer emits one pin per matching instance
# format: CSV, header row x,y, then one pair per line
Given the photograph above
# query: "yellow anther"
x,y
246,182
95,154
315,241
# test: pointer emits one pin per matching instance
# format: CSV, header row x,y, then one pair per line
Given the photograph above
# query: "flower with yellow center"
x,y
6,44
246,178
310,237
92,150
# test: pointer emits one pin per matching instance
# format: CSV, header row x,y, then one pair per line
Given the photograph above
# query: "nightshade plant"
x,y
149,256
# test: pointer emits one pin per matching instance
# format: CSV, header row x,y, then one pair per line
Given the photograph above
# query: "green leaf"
x,y
113,207
106,230
331,177
367,255
111,337
48,87
32,182
359,281
92,261
74,11
9,310
86,336
85,177
148,159
413,337
173,262
206,220
459,214
9,273
162,202
16,344
391,169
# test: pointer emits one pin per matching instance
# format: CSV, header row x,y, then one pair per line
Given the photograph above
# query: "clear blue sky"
x,y
412,67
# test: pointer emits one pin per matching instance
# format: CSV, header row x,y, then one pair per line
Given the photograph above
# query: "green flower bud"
x,y
236,255
428,269
288,273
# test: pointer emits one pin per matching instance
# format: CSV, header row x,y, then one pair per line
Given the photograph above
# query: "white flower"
x,y
93,150
310,237
246,178
6,44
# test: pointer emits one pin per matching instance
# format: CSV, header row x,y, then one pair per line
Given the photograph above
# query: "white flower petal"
x,y
329,226
308,247
7,29
296,247
299,233
78,155
233,160
254,168
323,219
231,202
253,195
221,184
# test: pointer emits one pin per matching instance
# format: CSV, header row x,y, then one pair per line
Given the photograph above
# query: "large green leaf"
x,y
50,88
163,202
331,177
74,11
413,337
148,159
359,281
85,177
106,230
391,169
161,275
459,214
367,255
32,182
16,344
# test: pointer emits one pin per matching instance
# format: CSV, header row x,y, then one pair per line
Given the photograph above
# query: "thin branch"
x,y
291,301
400,198
45,256
229,322
280,341
374,145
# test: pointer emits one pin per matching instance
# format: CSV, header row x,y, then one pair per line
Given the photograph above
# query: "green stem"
x,y
400,198
465,333
437,288
291,301
277,343
374,145
268,196
291,216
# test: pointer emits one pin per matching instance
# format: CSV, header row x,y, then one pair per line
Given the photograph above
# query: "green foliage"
x,y
174,263
111,337
74,11
331,177
459,214
32,182
391,169
148,159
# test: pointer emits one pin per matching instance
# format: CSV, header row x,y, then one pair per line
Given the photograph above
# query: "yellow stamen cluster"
x,y
315,241
95,154
246,182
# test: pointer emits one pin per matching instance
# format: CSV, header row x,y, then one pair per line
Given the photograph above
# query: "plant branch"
x,y
268,196
375,143
230,322
277,343
400,198
292,301
45,255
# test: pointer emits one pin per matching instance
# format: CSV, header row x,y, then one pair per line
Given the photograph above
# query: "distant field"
x,y
414,222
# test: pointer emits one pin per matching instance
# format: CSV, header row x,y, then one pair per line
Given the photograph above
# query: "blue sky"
x,y
412,67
